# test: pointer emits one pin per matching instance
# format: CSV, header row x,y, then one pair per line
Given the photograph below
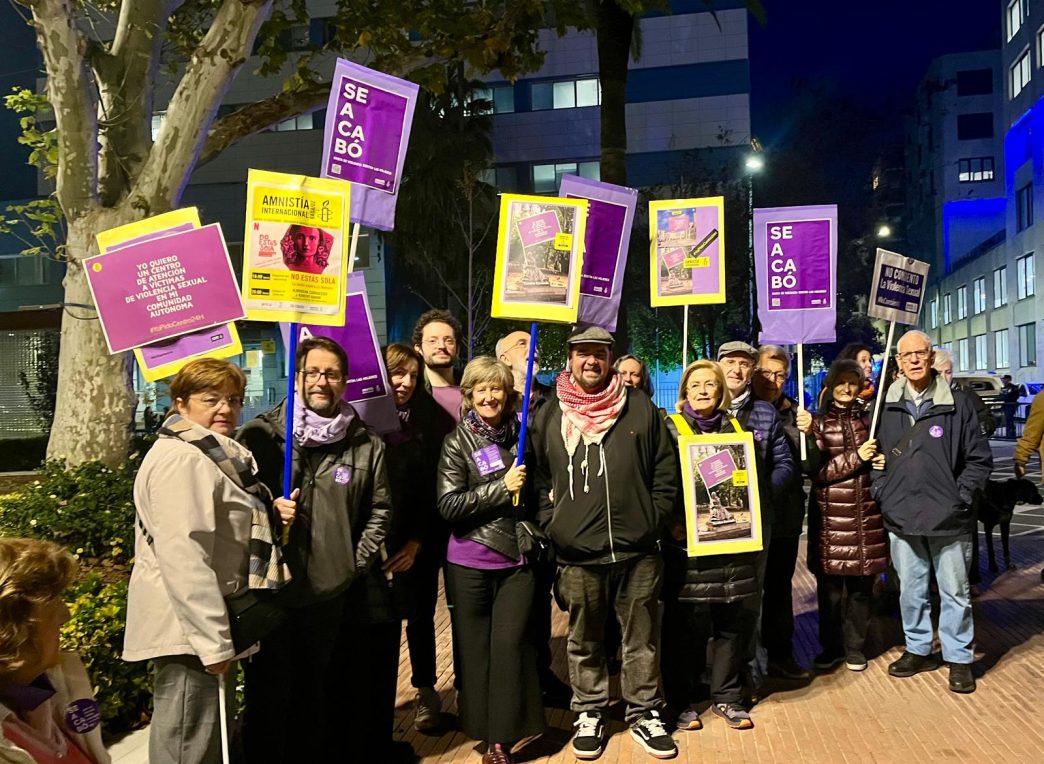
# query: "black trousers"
x,y
500,698
540,619
843,625
420,625
303,698
687,627
777,609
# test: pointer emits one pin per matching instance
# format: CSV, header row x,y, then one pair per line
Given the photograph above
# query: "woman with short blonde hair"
x,y
719,375
486,369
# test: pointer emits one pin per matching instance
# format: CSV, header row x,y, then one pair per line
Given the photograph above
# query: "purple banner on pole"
x,y
368,389
368,121
610,214
717,468
163,288
795,256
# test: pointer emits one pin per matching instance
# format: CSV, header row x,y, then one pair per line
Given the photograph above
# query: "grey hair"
x,y
775,351
942,358
915,333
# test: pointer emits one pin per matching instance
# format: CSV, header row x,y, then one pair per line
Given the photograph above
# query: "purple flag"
x,y
368,389
368,119
795,256
610,214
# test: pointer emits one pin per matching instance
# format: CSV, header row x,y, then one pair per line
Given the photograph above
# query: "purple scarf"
x,y
704,424
313,429
505,435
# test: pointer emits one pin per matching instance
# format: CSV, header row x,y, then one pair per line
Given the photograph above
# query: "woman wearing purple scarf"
x,y
704,596
489,582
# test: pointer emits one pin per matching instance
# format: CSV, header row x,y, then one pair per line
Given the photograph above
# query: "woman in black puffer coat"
x,y
702,592
847,543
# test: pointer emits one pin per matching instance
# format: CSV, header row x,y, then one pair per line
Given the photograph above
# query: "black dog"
x,y
998,508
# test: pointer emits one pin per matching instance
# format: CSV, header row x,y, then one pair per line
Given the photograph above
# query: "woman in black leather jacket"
x,y
489,583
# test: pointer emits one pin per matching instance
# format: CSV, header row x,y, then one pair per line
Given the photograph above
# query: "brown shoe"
x,y
496,754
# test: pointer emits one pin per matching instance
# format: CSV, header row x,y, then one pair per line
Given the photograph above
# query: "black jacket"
x,y
478,507
927,486
776,466
627,506
790,504
343,514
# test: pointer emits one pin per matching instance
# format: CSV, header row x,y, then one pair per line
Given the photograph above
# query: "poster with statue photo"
x,y
722,505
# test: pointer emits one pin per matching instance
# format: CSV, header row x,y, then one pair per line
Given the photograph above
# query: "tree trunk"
x,y
95,401
615,30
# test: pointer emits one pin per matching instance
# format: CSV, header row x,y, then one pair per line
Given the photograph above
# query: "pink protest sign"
x,y
368,119
537,229
717,468
673,258
163,288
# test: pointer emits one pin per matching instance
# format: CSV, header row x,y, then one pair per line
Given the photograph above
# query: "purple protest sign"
x,y
536,229
717,468
163,288
367,389
205,341
687,251
610,214
368,119
795,255
673,257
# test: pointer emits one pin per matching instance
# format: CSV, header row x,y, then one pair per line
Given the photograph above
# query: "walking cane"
x,y
223,715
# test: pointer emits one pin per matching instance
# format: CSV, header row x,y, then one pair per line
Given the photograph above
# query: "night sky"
x,y
875,52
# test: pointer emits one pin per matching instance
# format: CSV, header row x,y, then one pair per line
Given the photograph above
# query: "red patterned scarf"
x,y
587,416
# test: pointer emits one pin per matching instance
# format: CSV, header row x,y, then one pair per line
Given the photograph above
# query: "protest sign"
x,y
795,256
295,249
368,119
540,247
367,389
720,483
164,359
161,288
687,251
610,214
897,288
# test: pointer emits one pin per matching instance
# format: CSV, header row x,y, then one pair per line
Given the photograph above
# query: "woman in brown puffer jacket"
x,y
847,544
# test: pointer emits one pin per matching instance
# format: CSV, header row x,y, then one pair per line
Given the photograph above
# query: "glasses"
x,y
214,401
312,375
912,355
775,376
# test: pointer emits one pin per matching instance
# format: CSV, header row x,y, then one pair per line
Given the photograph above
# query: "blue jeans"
x,y
914,557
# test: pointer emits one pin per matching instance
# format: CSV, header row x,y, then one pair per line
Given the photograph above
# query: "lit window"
x,y
1027,345
1025,277
962,354
962,302
1000,287
1020,74
588,92
982,361
979,295
975,170
933,313
1014,17
565,94
591,170
1000,348
947,313
546,177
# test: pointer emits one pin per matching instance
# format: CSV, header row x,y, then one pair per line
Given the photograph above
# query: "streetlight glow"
x,y
754,163
884,231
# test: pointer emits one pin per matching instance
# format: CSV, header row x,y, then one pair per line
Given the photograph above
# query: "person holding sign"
x,y
606,480
489,577
723,586
47,707
936,458
343,631
847,543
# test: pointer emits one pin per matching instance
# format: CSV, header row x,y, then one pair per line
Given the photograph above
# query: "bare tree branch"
x,y
209,73
75,107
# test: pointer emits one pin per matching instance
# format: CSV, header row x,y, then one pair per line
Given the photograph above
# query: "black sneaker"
x,y
910,664
827,660
855,661
961,678
651,734
589,736
788,669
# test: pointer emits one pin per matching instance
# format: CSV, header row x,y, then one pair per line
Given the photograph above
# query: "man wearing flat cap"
x,y
606,478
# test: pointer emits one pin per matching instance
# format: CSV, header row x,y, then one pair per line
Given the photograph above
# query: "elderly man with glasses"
x,y
936,457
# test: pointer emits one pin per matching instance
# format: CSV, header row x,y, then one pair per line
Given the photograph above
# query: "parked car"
x,y
988,387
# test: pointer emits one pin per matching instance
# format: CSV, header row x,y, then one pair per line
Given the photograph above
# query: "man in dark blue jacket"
x,y
936,458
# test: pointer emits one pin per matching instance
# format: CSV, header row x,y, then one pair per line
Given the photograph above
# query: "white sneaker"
x,y
427,715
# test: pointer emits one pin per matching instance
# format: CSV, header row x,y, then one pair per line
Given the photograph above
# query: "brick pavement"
x,y
842,716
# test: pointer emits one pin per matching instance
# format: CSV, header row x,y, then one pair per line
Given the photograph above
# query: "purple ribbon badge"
x,y
82,715
487,460
342,475
935,431
758,436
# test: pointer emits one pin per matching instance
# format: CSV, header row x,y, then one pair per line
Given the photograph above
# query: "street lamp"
x,y
753,164
884,231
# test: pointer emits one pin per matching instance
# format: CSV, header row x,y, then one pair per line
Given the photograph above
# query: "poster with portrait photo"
x,y
687,251
295,248
540,247
722,505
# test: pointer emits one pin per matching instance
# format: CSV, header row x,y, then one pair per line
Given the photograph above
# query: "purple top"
x,y
27,697
448,397
472,554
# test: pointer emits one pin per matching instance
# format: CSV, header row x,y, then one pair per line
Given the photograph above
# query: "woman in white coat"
x,y
196,499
